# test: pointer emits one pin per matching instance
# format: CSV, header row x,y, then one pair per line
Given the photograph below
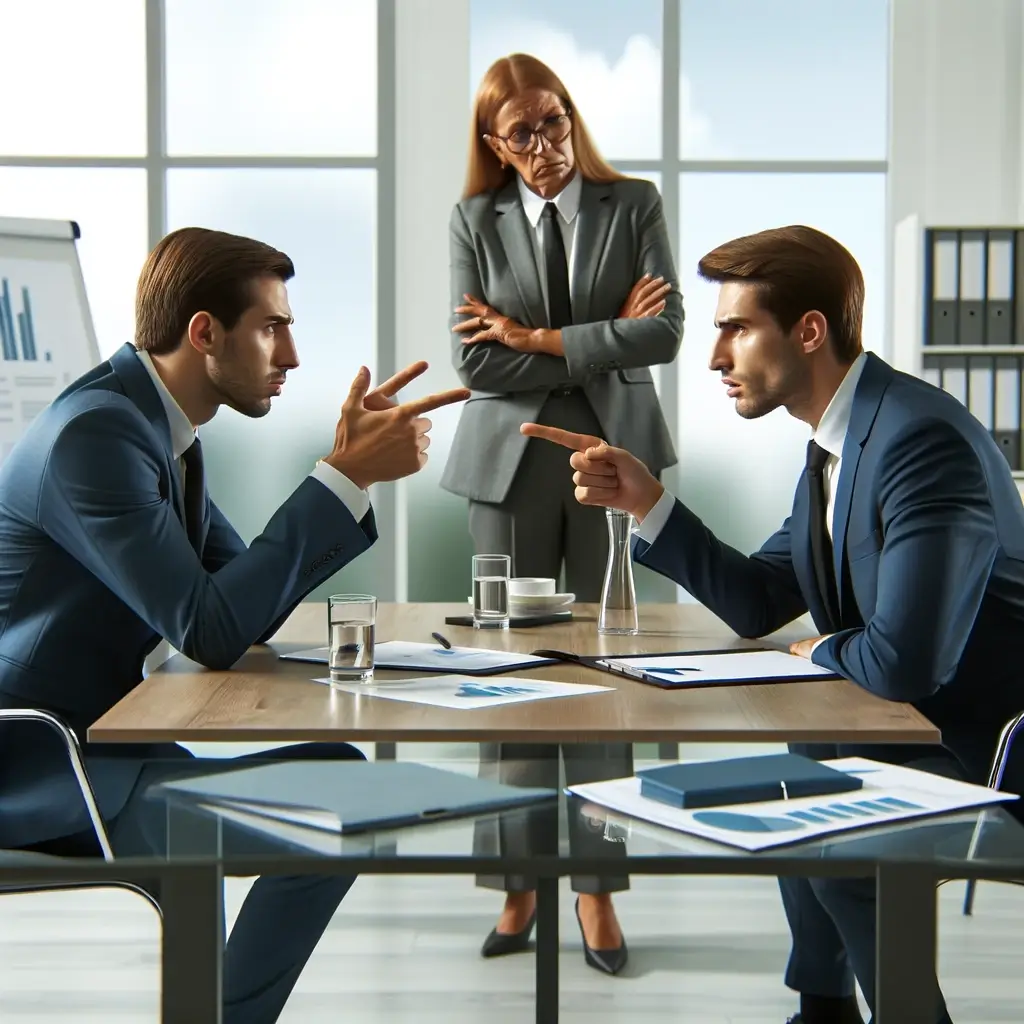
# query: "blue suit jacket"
x,y
929,560
96,567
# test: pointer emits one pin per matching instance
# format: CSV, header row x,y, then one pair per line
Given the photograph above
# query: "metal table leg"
x,y
384,751
192,899
547,951
906,989
668,751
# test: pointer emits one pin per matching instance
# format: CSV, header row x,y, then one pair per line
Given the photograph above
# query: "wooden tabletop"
x,y
265,699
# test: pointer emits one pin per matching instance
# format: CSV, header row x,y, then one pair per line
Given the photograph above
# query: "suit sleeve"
x,y
489,365
754,595
111,516
939,546
626,343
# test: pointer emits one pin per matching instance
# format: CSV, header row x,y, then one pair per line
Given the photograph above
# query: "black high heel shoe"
x,y
607,961
503,943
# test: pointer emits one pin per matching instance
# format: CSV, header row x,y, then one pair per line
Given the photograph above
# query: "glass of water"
x,y
350,626
490,591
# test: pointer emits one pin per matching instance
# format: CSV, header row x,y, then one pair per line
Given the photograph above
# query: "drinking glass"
x,y
490,591
351,619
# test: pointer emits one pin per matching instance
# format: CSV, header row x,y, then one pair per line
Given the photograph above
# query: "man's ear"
x,y
202,332
813,331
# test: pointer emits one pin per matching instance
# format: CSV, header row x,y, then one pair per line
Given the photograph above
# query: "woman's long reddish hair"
x,y
506,78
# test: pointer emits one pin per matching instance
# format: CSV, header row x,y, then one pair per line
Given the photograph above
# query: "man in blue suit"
x,y
905,543
109,543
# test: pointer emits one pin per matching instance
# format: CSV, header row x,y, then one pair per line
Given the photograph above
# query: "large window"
x,y
748,114
249,116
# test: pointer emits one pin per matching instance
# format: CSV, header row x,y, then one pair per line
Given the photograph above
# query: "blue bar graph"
x,y
26,333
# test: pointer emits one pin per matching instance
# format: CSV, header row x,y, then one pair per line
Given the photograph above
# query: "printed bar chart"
x,y
26,335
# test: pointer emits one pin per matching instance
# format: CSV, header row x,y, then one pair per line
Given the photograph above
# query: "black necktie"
x,y
821,544
195,492
556,269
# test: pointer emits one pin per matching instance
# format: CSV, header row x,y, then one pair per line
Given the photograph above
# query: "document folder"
x,y
971,307
742,780
980,388
942,321
1007,409
999,295
351,796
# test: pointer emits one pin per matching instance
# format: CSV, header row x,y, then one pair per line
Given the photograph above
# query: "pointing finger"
x,y
436,401
394,384
566,438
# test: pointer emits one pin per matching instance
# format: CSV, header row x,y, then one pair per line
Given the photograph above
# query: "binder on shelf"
x,y
954,377
1018,288
1007,425
999,289
980,388
931,370
945,278
971,294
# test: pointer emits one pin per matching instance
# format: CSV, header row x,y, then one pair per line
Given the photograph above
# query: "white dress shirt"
x,y
354,498
567,202
830,435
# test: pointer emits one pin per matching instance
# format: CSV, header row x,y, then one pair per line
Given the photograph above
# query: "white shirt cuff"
x,y
355,499
821,641
655,520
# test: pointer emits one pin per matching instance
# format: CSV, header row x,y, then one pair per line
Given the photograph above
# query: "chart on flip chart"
x,y
46,333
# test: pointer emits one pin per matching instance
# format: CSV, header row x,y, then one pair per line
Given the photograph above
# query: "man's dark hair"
x,y
797,269
196,270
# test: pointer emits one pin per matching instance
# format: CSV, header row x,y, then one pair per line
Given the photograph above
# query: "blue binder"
x,y
742,780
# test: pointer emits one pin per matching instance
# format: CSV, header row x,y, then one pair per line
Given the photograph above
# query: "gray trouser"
x,y
542,526
832,920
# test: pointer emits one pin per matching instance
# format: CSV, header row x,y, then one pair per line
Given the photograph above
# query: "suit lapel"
x,y
866,400
515,233
593,224
138,386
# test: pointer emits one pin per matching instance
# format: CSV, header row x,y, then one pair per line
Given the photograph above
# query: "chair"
x,y
74,752
995,780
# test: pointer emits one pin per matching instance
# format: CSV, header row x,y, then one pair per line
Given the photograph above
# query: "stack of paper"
x,y
890,793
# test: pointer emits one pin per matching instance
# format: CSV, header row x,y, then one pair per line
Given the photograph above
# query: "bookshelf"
x,y
958,320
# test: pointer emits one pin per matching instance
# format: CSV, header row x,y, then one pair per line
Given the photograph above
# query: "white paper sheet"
x,y
735,666
416,657
467,692
890,793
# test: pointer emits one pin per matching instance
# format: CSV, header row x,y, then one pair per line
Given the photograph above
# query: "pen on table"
x,y
441,640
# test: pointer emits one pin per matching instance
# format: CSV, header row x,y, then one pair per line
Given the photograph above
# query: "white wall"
x,y
956,148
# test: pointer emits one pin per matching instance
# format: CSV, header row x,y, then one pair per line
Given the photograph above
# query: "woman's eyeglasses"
x,y
555,129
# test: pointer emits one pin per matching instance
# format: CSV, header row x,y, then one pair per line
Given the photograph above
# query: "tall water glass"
x,y
351,619
490,591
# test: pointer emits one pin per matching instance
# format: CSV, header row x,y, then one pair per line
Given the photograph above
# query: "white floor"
x,y
405,951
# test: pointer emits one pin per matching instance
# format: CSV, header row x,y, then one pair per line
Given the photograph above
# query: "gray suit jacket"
x,y
620,236
96,566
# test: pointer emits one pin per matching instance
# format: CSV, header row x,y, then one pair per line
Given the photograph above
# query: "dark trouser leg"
x,y
596,762
282,918
517,764
833,920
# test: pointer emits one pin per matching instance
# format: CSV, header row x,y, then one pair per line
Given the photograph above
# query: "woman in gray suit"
x,y
564,295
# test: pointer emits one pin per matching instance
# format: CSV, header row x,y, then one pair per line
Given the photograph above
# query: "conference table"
x,y
266,699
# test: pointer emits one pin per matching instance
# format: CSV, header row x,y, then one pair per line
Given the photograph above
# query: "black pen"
x,y
442,641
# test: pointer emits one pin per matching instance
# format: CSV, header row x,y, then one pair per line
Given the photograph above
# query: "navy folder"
x,y
743,780
351,796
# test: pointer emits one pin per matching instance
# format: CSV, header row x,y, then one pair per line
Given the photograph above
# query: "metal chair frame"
x,y
995,781
77,762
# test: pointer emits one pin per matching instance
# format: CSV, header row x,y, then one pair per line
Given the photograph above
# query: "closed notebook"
x,y
351,796
742,780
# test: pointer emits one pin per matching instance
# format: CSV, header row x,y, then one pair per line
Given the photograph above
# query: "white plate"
x,y
537,605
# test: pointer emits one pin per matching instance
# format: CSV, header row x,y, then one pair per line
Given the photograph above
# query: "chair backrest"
x,y
76,763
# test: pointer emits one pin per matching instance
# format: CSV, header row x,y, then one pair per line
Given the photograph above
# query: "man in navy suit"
x,y
905,543
109,544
